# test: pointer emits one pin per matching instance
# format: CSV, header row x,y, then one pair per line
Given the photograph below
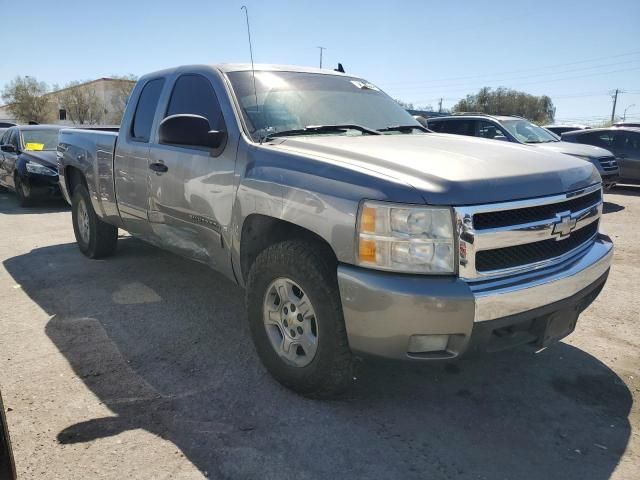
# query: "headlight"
x,y
40,169
405,238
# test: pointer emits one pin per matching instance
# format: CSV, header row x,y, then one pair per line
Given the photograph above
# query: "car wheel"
x,y
296,319
23,191
96,239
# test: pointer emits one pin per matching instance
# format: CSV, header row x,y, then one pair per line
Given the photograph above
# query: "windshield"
x,y
527,132
35,140
295,100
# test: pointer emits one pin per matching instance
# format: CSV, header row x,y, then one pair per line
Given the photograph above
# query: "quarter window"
x,y
194,94
146,109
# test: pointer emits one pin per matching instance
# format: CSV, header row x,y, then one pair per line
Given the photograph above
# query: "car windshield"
x,y
527,132
43,139
289,101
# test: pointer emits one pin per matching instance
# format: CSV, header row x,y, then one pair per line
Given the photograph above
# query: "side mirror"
x,y
8,148
421,120
192,130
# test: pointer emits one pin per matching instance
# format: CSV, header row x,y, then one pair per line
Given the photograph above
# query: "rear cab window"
x,y
145,110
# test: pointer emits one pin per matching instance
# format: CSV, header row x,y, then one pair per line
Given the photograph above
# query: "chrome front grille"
x,y
608,164
498,240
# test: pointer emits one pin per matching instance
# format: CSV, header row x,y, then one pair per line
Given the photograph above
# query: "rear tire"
x,y
96,239
321,366
23,192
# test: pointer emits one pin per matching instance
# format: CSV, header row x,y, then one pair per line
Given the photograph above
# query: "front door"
x,y
131,166
10,159
190,201
626,147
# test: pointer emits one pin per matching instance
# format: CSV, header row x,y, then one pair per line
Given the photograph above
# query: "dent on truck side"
x,y
310,193
91,153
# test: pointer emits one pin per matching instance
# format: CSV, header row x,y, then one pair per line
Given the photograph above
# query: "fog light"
x,y
427,343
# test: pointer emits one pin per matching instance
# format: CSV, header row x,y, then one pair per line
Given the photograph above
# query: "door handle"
x,y
159,167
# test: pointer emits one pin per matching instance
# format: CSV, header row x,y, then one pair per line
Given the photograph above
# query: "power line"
x,y
511,79
608,57
470,88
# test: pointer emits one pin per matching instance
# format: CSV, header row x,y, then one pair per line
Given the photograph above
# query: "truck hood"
x,y
450,169
573,149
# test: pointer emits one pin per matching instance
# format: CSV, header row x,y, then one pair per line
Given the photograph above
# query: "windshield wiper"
x,y
403,128
313,129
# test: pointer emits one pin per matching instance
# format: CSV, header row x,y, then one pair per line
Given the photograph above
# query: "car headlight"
x,y
405,238
38,169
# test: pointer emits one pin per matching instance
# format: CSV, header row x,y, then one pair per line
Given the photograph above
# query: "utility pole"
x,y
321,50
440,106
615,100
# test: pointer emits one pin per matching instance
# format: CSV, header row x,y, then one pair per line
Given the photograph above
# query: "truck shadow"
x,y
163,342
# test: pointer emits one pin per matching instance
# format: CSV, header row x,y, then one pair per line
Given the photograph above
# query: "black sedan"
x,y
28,162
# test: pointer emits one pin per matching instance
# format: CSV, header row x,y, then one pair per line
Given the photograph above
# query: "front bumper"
x,y
42,186
610,180
382,311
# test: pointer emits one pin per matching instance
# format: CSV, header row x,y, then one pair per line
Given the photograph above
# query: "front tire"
x,y
23,192
296,319
96,239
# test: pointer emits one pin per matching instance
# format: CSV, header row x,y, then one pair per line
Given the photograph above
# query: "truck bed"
x,y
92,153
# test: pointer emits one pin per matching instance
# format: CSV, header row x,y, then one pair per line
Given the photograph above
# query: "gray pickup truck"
x,y
354,230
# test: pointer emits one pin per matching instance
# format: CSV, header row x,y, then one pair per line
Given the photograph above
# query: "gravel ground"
x,y
141,366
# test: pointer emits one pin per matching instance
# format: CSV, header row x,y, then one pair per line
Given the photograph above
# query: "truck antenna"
x,y
253,72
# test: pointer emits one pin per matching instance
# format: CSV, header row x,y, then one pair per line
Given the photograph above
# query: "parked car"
x,y
624,142
7,124
353,229
7,465
522,131
28,162
560,129
627,124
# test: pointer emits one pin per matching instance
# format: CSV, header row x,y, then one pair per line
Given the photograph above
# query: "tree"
x,y
505,101
120,95
411,106
81,102
27,101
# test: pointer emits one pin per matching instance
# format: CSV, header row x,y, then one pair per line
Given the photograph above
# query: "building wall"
x,y
105,89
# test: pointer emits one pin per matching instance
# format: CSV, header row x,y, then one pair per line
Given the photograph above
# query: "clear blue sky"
x,y
418,51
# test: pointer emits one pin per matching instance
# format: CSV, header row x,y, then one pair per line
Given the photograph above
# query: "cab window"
x,y
490,130
194,94
145,110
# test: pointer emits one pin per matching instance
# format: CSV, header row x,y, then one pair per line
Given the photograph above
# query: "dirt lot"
x,y
141,366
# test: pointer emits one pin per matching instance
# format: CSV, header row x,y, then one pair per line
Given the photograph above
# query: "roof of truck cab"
x,y
243,67
499,118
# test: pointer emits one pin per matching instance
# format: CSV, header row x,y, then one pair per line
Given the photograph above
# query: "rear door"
x,y
190,203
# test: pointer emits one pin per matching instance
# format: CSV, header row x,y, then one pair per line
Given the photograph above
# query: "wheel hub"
x,y
83,221
290,322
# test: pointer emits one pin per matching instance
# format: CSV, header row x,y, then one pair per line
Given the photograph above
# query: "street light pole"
x,y
624,115
321,50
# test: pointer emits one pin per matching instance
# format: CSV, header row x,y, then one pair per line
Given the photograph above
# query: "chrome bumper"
x,y
383,310
502,298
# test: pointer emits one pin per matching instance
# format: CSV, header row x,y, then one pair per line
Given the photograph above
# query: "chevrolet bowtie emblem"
x,y
564,226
